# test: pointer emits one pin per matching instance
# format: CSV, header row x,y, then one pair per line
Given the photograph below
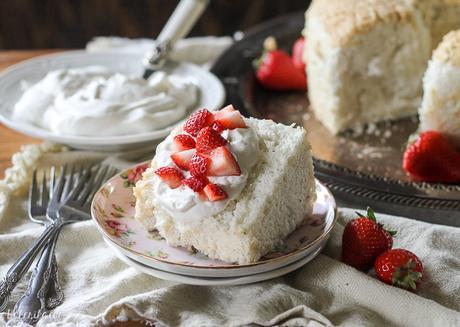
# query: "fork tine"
x,y
68,186
52,180
83,176
33,190
44,190
106,174
57,194
89,185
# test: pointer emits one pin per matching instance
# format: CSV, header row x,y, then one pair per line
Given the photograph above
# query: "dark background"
x,y
40,24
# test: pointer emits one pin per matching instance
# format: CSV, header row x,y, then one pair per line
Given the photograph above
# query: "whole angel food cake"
x,y
440,108
231,187
366,58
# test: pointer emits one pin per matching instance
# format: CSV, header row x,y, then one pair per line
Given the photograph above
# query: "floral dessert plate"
x,y
205,281
113,211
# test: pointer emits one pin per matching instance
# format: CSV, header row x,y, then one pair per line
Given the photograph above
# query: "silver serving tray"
x,y
364,169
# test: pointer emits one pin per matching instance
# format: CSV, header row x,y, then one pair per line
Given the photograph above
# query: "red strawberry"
x,y
196,183
182,158
297,53
208,139
432,158
183,142
197,121
229,118
214,192
276,71
400,268
199,164
363,240
223,163
216,126
170,176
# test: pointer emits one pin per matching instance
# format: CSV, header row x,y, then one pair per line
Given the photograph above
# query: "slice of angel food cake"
x,y
231,187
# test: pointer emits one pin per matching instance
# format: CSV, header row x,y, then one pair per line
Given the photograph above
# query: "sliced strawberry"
x,y
208,139
216,126
183,142
223,163
199,164
197,121
182,158
196,183
170,175
229,118
214,192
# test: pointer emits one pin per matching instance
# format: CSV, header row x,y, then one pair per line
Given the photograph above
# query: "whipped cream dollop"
x,y
183,202
93,101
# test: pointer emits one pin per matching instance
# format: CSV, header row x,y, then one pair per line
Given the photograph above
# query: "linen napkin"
x,y
100,289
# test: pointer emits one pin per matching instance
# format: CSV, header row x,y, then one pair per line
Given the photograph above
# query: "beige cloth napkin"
x,y
100,289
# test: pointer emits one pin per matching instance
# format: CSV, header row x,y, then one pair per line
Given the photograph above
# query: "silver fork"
x,y
68,204
37,213
22,265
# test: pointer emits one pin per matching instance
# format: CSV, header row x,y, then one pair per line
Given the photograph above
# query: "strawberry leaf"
x,y
360,215
371,214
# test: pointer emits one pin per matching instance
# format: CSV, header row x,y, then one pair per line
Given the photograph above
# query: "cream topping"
x,y
184,203
93,101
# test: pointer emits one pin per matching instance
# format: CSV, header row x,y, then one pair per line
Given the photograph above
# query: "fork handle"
x,y
22,265
33,305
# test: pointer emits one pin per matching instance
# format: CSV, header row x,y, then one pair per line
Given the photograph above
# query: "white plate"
x,y
113,211
212,94
217,273
203,281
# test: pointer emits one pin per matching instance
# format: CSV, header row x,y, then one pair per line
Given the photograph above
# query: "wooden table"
x,y
12,141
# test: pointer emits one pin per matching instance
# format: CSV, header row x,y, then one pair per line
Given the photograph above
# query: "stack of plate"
x,y
113,211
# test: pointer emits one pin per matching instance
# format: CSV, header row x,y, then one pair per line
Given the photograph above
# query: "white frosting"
x,y
184,203
93,101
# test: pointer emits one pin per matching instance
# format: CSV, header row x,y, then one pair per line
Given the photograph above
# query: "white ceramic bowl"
x,y
212,95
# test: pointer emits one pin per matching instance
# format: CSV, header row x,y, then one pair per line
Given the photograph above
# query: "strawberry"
x,y
400,268
214,192
208,139
183,142
216,126
297,53
198,164
197,121
171,176
363,240
182,158
229,118
196,183
275,69
223,163
432,158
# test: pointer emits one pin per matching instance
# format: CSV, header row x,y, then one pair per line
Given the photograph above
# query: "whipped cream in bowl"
x,y
93,101
98,101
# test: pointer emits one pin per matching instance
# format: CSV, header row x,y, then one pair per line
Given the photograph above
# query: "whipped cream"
x,y
93,101
184,203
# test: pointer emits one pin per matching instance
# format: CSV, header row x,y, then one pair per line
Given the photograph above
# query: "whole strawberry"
x,y
275,70
400,268
363,240
432,158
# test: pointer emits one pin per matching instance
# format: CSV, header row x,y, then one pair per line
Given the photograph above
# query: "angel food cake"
x,y
231,187
440,108
366,58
